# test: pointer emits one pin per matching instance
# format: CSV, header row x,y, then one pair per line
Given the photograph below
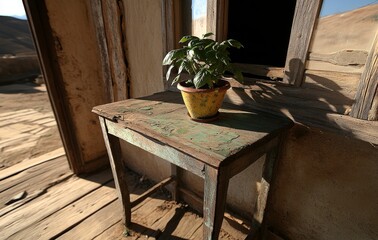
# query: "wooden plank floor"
x,y
47,201
40,198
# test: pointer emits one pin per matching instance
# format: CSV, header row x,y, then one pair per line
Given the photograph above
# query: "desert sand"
x,y
27,125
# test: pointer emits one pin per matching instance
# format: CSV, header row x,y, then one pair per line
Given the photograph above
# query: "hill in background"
x,y
15,37
18,56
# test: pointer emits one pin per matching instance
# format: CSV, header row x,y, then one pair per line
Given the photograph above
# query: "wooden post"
x,y
367,89
306,13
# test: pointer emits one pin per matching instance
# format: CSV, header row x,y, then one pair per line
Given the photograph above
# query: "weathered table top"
x,y
163,117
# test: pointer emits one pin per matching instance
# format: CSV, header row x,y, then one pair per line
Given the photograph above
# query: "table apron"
x,y
157,148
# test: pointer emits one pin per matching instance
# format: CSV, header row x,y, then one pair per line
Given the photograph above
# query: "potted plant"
x,y
201,64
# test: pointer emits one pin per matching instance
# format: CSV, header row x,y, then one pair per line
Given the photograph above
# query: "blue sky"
x,y
338,6
15,8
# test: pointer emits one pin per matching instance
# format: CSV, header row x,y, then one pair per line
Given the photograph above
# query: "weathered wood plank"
x,y
233,228
326,120
373,114
136,187
52,202
261,70
215,187
177,157
152,218
187,225
118,169
95,224
368,86
151,191
10,171
33,179
98,22
167,122
34,195
72,214
46,44
144,80
114,26
164,224
342,58
141,214
331,91
306,13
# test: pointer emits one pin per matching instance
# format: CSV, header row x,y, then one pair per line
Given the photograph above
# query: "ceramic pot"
x,y
203,104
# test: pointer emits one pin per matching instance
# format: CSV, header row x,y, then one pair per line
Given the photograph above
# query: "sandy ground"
x,y
27,125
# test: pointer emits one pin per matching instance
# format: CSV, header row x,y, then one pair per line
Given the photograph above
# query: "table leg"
x,y
175,171
118,169
215,193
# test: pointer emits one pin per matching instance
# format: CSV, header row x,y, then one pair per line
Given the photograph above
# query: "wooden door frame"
x,y
45,44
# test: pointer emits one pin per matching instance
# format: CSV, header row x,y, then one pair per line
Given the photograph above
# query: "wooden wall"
x,y
144,44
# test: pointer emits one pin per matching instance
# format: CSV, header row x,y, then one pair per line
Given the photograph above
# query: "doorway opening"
x,y
28,128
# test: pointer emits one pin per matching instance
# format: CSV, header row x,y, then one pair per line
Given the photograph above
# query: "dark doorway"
x,y
263,27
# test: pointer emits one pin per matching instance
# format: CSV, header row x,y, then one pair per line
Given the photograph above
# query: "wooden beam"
x,y
341,58
305,16
169,24
96,8
46,46
151,191
367,89
114,26
217,18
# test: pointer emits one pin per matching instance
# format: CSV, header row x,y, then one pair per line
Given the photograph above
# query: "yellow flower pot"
x,y
203,104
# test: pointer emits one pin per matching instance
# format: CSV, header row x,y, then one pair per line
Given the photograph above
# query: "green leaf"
x,y
202,78
187,38
176,79
208,35
209,45
198,79
235,43
168,58
182,66
169,72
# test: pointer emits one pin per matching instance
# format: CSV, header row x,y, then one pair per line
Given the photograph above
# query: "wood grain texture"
x,y
342,58
144,46
67,207
50,227
168,123
45,42
94,224
10,171
45,171
118,169
307,115
367,88
306,12
50,203
114,26
214,202
99,28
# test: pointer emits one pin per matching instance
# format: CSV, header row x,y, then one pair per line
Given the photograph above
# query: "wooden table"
x,y
214,151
